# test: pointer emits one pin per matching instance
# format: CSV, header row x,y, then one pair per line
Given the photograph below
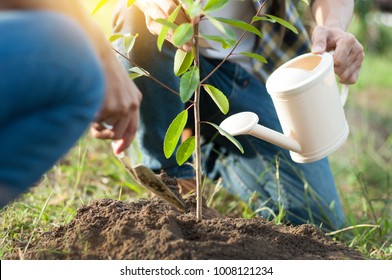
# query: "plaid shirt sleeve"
x,y
280,44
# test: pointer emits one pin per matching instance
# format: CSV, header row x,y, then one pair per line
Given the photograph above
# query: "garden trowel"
x,y
144,177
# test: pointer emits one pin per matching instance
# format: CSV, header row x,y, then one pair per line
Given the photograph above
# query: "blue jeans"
x,y
51,87
265,173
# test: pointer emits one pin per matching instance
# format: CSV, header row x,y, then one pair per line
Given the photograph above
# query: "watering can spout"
x,y
279,139
246,123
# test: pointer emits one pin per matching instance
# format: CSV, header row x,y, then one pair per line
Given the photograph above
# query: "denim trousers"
x,y
265,175
51,87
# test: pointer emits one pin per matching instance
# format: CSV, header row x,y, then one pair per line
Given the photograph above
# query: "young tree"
x,y
186,66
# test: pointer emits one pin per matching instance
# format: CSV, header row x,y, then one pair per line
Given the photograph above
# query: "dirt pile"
x,y
152,229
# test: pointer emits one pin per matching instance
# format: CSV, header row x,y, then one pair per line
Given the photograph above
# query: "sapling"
x,y
186,66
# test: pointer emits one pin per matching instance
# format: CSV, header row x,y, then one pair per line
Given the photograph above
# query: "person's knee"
x,y
79,73
59,66
61,82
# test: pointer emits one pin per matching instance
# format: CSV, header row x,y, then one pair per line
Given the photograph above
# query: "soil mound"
x,y
152,229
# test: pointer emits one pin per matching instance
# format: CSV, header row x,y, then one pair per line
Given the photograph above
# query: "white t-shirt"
x,y
236,9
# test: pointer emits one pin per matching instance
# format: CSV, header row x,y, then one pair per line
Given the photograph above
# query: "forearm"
x,y
333,13
332,20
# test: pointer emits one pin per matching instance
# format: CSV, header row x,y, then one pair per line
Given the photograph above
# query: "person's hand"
x,y
348,52
155,9
119,115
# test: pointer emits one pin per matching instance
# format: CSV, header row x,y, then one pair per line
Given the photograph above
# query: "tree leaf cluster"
x,y
186,65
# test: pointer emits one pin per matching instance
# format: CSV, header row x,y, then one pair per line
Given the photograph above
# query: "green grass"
x,y
362,168
375,72
89,171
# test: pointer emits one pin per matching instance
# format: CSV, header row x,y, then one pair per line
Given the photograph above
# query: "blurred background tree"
x,y
374,24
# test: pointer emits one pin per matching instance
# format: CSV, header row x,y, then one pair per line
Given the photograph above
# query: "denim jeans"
x,y
51,87
265,173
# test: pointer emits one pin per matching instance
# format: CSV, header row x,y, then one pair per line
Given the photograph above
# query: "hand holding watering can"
x,y
309,106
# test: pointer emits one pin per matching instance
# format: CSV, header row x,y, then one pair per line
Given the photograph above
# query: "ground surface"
x,y
152,229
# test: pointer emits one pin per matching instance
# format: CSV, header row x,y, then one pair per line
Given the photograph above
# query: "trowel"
x,y
143,176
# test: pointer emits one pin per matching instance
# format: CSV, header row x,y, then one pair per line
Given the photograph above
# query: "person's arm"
x,y
333,13
122,97
332,19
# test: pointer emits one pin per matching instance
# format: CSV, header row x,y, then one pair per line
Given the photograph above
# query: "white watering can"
x,y
310,109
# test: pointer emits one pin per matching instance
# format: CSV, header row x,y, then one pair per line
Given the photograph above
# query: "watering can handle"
x,y
345,87
344,94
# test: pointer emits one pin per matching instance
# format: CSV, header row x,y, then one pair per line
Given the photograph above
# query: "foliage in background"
x,y
374,27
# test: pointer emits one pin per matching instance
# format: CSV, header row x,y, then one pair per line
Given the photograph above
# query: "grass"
x,y
362,168
375,70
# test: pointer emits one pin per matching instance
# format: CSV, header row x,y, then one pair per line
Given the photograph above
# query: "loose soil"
x,y
152,229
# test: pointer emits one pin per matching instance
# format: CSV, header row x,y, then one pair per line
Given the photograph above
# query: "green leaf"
x,y
162,35
115,37
130,3
189,83
228,136
182,62
225,30
99,6
193,8
129,42
183,34
284,23
259,18
173,133
255,56
136,72
214,5
279,20
134,76
167,23
226,43
240,24
219,98
185,150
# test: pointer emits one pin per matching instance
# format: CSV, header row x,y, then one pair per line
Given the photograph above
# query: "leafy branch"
x,y
186,66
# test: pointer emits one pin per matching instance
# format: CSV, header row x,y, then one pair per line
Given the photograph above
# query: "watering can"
x,y
309,107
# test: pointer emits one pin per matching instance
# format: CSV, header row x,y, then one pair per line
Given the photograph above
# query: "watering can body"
x,y
309,107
